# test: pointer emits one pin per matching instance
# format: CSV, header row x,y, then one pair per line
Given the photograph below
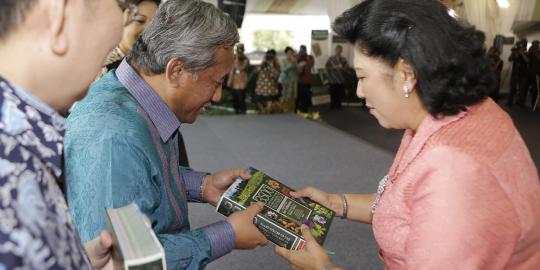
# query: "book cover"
x,y
135,245
282,215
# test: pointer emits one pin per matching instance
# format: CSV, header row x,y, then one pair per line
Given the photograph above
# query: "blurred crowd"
x,y
285,84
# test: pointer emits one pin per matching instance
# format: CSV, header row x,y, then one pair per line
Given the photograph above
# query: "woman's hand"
x,y
332,201
312,257
358,205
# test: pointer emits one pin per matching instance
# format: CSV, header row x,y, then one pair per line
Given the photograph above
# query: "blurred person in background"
x,y
289,80
137,15
533,69
496,62
463,191
266,89
336,67
519,77
305,78
238,79
50,52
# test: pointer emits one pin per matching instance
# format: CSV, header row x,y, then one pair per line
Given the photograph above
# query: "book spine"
x,y
273,232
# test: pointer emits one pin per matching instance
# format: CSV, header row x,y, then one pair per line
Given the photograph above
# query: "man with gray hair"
x,y
121,140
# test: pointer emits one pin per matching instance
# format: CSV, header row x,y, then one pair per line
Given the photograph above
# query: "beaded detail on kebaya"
x,y
380,191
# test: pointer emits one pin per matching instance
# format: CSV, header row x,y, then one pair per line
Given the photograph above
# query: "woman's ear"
x,y
173,71
407,73
59,19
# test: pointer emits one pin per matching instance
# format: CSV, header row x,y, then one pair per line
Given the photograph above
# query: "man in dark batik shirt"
x,y
336,67
50,51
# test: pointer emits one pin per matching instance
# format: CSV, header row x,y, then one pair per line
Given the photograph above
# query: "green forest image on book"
x,y
282,215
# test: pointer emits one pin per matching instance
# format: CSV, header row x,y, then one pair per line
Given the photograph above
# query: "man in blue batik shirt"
x,y
121,140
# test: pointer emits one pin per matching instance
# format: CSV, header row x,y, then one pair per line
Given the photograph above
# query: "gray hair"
x,y
12,14
190,30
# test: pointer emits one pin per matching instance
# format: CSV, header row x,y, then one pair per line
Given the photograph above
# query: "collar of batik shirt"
x,y
26,120
160,114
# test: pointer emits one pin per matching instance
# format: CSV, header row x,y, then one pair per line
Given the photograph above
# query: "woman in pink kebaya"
x,y
463,191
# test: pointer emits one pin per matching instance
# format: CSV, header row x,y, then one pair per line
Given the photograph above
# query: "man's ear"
x,y
407,72
59,18
173,72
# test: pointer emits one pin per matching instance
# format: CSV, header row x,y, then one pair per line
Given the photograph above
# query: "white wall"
x,y
300,25
214,2
533,36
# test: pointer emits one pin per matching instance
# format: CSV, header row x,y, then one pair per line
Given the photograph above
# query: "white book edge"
x,y
143,260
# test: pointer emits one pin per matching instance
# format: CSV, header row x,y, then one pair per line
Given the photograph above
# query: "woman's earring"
x,y
406,90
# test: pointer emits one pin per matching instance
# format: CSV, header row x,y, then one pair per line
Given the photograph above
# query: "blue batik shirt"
x,y
121,147
36,230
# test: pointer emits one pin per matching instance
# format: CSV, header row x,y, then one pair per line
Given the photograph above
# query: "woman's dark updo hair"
x,y
448,57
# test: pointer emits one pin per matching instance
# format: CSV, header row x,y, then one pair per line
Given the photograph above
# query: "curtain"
x,y
484,14
488,17
525,9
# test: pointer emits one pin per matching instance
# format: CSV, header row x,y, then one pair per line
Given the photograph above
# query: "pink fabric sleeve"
x,y
461,217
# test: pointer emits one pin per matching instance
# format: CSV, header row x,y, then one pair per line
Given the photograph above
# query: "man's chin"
x,y
189,119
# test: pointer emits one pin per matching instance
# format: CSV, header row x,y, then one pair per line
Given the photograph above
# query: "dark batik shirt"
x,y
36,230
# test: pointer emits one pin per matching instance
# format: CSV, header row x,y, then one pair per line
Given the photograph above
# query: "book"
x,y
282,215
135,245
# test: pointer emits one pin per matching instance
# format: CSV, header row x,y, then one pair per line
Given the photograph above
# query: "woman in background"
x,y
463,191
266,88
238,79
289,80
137,15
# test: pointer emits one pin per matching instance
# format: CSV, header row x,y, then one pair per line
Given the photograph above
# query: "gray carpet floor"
x,y
300,153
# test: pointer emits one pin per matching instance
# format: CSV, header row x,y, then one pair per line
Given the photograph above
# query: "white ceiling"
x,y
293,7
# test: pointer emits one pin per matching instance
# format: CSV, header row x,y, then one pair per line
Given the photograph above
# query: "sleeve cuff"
x,y
222,238
193,181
